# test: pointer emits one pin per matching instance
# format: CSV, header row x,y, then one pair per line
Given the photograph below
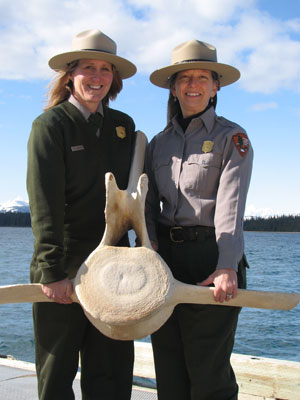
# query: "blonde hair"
x,y
61,87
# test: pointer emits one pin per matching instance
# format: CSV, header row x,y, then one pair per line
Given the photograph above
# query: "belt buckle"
x,y
175,228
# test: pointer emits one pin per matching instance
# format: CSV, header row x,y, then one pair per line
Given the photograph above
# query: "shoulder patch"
x,y
241,142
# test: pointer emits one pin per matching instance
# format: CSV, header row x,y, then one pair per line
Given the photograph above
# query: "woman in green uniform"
x,y
71,146
199,170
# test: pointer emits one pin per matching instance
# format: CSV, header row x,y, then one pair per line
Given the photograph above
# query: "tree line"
x,y
15,219
284,223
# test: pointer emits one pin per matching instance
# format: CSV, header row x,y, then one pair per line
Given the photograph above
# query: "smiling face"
x,y
92,80
193,89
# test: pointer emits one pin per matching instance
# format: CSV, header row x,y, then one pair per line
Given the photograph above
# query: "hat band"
x,y
215,74
100,51
193,60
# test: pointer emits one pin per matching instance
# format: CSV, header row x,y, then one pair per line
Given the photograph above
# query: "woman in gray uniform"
x,y
71,147
199,170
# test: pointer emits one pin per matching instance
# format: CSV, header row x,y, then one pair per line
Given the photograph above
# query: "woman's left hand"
x,y
225,281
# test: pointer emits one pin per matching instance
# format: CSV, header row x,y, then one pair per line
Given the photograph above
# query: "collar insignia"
x,y
207,146
121,132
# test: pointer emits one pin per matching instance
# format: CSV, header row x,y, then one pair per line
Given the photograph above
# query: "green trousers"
x,y
62,332
192,349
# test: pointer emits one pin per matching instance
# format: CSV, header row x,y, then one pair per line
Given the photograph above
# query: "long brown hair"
x,y
61,87
173,104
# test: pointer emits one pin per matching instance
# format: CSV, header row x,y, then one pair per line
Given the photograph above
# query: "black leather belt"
x,y
180,234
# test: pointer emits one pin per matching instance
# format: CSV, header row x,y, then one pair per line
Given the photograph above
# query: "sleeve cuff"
x,y
52,274
227,261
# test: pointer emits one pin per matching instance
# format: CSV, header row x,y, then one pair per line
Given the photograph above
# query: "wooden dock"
x,y
258,378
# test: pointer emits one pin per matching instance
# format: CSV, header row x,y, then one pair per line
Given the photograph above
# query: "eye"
x,y
183,77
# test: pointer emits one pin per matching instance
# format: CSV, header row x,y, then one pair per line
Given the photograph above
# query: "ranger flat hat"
x,y
93,44
194,54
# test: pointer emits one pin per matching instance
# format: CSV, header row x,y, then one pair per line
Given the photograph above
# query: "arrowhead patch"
x,y
241,142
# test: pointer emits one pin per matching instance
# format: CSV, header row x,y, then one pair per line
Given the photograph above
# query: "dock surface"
x,y
18,382
258,378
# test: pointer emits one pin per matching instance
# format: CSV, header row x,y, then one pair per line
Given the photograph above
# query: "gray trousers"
x,y
192,349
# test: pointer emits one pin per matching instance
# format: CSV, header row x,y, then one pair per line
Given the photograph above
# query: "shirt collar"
x,y
84,111
206,119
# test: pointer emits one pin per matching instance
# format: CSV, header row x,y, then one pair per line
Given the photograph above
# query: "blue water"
x,y
274,260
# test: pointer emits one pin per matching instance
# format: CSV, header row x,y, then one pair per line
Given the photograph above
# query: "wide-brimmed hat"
x,y
93,44
194,54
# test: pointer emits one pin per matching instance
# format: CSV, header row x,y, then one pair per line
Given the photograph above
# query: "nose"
x,y
193,81
96,74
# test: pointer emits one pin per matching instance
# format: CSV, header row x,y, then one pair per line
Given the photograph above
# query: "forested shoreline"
x,y
15,219
283,223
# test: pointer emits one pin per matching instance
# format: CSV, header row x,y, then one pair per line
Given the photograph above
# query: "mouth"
x,y
95,87
193,94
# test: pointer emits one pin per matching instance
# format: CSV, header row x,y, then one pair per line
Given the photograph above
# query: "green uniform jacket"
x,y
66,185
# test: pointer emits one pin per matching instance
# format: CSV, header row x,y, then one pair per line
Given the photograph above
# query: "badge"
x,y
241,142
121,132
207,146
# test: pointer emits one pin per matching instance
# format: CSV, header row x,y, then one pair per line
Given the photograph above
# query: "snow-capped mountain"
x,y
14,206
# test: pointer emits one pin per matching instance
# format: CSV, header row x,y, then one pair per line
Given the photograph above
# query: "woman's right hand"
x,y
60,291
226,283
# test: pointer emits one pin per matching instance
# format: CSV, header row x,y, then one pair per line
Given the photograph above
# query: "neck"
x,y
184,121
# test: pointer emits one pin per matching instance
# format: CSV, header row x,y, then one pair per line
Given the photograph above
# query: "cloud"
x,y
268,56
264,106
262,47
253,211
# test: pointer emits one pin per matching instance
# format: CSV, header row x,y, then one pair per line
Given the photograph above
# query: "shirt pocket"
x,y
203,173
162,167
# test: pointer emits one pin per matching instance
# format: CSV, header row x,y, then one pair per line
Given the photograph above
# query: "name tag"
x,y
77,148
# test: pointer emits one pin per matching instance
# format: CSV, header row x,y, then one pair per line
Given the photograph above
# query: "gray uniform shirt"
x,y
201,177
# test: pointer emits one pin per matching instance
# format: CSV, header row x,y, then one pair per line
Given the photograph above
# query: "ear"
x,y
216,87
173,91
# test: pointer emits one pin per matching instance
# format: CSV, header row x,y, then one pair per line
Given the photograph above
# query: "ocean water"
x,y
274,260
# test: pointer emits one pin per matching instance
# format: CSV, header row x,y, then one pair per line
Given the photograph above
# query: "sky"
x,y
259,37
